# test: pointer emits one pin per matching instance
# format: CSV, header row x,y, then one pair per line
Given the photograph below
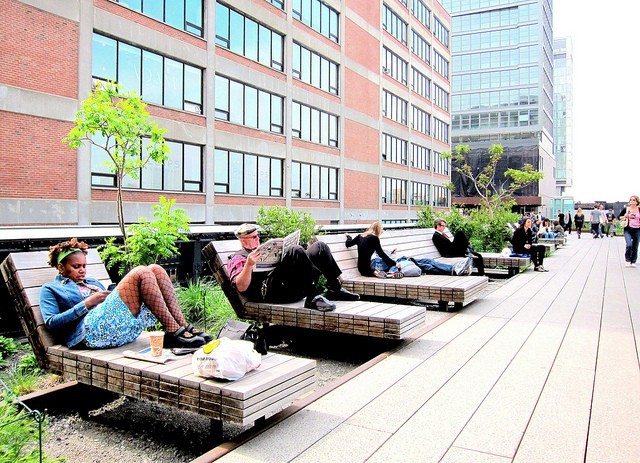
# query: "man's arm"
x,y
242,279
442,243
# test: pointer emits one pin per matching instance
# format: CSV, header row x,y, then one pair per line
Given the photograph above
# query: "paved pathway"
x,y
544,369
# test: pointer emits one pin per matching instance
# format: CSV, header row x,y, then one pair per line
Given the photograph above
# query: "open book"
x,y
272,252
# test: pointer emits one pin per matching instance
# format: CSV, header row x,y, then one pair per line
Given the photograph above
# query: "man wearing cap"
x,y
292,279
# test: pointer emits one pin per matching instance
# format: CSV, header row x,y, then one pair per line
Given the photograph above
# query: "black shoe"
x,y
342,295
320,303
178,339
206,336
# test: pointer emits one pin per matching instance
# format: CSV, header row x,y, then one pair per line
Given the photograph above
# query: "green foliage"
x,y
279,221
115,122
426,217
29,364
19,435
204,304
7,347
493,194
148,242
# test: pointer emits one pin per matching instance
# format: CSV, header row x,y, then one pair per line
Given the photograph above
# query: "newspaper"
x,y
273,251
145,354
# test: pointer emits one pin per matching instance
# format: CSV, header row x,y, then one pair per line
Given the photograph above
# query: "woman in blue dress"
x,y
80,312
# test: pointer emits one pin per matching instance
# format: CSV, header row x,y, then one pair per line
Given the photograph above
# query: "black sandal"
x,y
196,332
178,339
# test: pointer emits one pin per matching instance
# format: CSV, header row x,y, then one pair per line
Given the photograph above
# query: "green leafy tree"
x,y
116,122
148,242
279,221
493,193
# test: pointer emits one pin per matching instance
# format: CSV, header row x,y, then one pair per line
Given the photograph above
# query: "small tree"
x,y
492,193
116,122
148,242
279,221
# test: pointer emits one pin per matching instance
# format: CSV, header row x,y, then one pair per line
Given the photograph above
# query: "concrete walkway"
x,y
544,369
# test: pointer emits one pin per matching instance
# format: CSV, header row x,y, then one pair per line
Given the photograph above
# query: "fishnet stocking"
x,y
151,285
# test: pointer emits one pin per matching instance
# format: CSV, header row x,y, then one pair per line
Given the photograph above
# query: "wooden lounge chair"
x,y
365,318
274,385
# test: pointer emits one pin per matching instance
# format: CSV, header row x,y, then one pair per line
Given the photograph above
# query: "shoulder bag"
x,y
237,329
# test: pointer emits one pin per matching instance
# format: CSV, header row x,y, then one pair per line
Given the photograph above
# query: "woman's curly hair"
x,y
73,243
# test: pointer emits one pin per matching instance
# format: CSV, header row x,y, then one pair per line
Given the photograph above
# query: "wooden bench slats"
x,y
352,317
278,381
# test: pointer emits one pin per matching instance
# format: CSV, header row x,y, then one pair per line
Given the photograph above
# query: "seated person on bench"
x,y
80,312
374,261
294,278
457,246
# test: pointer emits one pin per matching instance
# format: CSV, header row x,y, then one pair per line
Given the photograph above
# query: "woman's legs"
x,y
628,239
537,254
631,238
634,246
141,285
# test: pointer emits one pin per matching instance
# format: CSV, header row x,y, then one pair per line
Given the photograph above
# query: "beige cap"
x,y
245,229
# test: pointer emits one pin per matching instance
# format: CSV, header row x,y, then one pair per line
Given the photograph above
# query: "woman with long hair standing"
x,y
578,221
631,231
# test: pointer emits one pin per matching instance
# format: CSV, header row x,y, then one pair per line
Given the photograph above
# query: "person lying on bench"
x,y
375,261
292,279
80,312
457,246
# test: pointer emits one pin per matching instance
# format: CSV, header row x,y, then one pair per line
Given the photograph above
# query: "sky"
x,y
606,94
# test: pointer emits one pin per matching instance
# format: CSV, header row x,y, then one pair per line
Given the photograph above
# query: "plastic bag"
x,y
231,359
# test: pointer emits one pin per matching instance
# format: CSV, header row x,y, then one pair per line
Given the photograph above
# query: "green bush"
x,y
205,305
19,435
279,221
148,242
426,217
29,364
7,347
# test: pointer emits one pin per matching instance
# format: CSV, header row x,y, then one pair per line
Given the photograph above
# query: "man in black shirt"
x,y
457,246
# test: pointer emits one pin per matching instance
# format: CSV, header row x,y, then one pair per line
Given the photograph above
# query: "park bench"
x,y
411,242
274,385
365,318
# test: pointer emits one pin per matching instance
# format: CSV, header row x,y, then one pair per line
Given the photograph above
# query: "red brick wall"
x,y
38,50
361,47
362,189
367,10
361,94
36,164
361,142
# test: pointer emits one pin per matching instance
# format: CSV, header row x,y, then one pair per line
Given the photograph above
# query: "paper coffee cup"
x,y
156,340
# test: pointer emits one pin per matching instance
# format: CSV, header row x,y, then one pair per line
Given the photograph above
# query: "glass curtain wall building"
x,y
340,108
563,122
502,84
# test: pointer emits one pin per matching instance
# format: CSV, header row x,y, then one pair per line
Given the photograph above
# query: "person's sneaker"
x,y
395,275
627,264
464,267
380,274
342,295
319,303
633,265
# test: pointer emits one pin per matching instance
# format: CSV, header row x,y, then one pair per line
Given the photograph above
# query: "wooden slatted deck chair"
x,y
416,243
274,385
372,319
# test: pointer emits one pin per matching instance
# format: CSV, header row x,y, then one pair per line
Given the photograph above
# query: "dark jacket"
x,y
367,245
520,238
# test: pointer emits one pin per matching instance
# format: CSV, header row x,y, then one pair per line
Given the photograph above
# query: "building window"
x,y
440,130
420,194
181,171
495,79
420,157
440,196
311,124
420,120
394,190
496,119
311,181
246,37
395,66
420,47
394,107
440,166
441,97
420,83
278,3
182,14
394,24
246,105
318,16
421,12
158,79
247,174
315,69
394,149
441,32
440,64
